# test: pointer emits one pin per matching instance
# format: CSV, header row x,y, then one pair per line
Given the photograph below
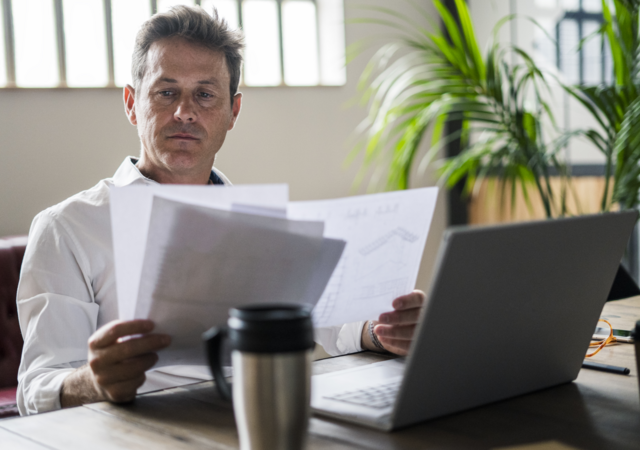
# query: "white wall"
x,y
54,143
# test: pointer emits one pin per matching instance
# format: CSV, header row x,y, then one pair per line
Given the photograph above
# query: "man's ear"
x,y
235,110
130,104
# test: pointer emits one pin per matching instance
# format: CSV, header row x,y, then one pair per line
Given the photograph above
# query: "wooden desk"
x,y
598,410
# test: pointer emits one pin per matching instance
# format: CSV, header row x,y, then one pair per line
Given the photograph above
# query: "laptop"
x,y
511,310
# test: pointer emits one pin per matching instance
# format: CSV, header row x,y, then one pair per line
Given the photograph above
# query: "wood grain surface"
x,y
598,410
490,204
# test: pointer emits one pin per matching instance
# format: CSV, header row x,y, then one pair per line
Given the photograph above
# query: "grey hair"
x,y
195,25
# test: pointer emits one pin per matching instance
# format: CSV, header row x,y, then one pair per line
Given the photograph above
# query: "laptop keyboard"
x,y
379,396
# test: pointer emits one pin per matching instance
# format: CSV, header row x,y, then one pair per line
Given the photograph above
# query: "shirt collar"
x,y
128,174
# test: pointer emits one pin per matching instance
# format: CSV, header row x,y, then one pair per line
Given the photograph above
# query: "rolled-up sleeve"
x,y
57,313
341,339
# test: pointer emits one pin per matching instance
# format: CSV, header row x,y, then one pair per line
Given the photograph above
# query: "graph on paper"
x,y
385,235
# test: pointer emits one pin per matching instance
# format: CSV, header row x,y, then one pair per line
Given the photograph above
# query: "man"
x,y
184,99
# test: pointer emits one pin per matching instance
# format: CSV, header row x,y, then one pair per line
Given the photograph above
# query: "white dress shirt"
x,y
67,291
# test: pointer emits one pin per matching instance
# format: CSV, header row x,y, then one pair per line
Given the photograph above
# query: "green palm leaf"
x,y
434,76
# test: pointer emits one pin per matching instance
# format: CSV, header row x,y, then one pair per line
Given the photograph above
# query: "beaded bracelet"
x,y
374,338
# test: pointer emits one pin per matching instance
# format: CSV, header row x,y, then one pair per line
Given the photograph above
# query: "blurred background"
x,y
63,64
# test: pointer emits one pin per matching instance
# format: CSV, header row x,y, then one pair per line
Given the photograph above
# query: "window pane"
x,y
3,60
569,59
227,9
85,43
592,6
35,43
332,44
546,4
165,5
570,5
300,43
591,54
260,23
542,43
127,17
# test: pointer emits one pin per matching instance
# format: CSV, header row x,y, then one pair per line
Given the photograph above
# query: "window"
x,y
569,22
300,43
261,27
34,35
590,64
126,18
85,45
89,43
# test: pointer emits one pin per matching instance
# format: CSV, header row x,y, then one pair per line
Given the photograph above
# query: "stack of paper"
x,y
385,235
184,255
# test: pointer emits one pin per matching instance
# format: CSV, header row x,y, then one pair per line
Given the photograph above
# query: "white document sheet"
x,y
131,210
200,261
386,234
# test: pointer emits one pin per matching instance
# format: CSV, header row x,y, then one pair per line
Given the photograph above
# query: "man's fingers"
x,y
406,309
128,370
128,349
396,328
404,332
397,346
413,300
403,317
111,332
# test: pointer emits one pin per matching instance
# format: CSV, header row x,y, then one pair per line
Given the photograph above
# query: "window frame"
x,y
580,16
9,43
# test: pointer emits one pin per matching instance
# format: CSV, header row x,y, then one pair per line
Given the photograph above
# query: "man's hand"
x,y
395,329
116,366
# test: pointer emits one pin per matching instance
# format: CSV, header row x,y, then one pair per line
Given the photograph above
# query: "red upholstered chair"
x,y
11,254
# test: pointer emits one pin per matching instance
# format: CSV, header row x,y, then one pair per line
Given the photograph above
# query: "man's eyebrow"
x,y
172,80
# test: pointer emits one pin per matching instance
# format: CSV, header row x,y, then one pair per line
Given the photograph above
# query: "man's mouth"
x,y
184,136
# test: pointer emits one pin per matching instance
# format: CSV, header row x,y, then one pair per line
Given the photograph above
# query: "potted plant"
x,y
427,77
616,109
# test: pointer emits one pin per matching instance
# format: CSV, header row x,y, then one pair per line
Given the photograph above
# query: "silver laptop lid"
x,y
511,310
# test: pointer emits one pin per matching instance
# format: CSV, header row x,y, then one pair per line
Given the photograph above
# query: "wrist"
x,y
79,388
369,338
366,342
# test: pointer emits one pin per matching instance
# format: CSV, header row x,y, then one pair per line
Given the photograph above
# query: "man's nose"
x,y
185,111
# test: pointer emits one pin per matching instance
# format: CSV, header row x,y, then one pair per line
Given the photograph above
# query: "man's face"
x,y
182,108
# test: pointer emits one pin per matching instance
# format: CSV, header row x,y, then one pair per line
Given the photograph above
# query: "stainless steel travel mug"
x,y
271,347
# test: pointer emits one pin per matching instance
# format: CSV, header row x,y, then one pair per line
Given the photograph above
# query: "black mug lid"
x,y
270,311
271,328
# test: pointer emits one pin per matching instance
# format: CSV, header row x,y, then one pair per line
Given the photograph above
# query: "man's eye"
x,y
205,95
165,93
